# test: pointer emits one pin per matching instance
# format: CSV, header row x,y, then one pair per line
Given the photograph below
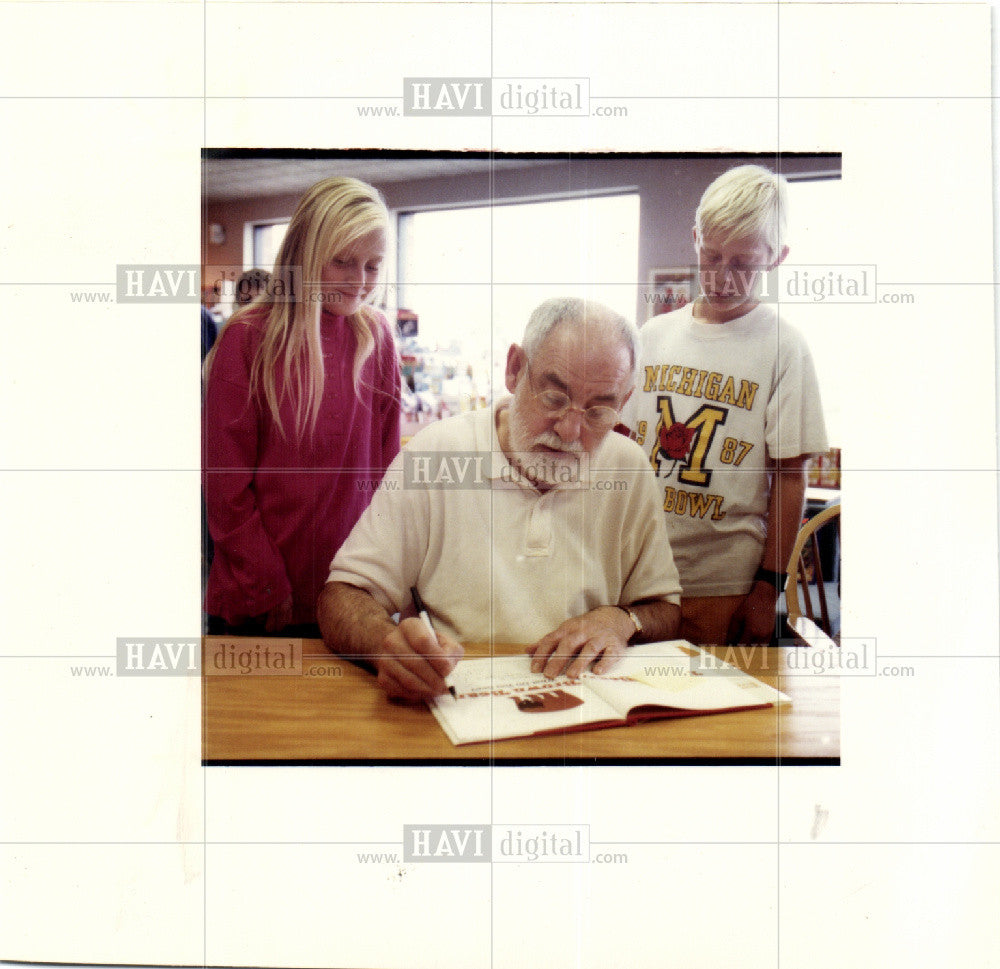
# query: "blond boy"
x,y
728,410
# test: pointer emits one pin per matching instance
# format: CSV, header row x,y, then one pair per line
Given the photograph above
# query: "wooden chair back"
x,y
805,566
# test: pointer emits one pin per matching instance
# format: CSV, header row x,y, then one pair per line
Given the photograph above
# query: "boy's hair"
x,y
749,200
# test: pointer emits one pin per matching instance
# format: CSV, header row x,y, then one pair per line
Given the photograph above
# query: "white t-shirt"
x,y
494,559
734,393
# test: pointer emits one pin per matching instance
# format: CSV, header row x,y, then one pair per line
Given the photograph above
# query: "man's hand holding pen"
x,y
414,661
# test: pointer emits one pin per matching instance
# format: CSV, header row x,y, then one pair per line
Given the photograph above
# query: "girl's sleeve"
x,y
248,573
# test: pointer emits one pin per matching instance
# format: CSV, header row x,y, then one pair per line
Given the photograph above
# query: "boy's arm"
x,y
753,621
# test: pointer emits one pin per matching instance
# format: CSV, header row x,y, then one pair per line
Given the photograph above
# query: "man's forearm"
x,y
352,622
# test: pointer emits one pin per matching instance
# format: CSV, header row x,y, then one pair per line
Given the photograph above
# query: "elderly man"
x,y
528,522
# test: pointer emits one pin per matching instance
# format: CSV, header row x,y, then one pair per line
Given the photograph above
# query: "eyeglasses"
x,y
556,404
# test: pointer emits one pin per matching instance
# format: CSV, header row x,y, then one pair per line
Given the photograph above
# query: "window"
x,y
473,275
265,241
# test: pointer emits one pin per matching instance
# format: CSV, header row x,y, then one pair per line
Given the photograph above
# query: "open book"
x,y
498,698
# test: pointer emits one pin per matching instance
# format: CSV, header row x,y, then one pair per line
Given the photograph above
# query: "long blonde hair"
x,y
330,218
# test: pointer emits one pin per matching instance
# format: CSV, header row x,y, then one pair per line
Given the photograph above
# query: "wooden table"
x,y
332,712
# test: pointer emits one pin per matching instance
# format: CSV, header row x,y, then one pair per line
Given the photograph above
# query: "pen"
x,y
418,604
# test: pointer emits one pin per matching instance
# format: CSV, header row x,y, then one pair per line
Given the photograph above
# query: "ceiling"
x,y
230,179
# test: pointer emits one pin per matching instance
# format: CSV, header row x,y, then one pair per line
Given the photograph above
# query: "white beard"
x,y
564,466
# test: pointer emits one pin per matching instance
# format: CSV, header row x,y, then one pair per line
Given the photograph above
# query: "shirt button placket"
x,y
539,537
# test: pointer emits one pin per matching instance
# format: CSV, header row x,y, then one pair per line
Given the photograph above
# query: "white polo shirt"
x,y
496,560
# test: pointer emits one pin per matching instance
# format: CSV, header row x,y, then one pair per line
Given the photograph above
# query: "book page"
x,y
500,697
676,674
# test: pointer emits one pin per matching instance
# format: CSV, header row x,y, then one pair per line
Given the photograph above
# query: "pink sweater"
x,y
278,507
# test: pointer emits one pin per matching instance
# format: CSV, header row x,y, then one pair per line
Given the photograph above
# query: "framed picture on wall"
x,y
670,289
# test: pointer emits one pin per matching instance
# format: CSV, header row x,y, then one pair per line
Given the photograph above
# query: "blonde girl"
x,y
301,414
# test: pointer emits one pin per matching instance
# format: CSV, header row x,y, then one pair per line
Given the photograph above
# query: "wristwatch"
x,y
777,579
636,621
